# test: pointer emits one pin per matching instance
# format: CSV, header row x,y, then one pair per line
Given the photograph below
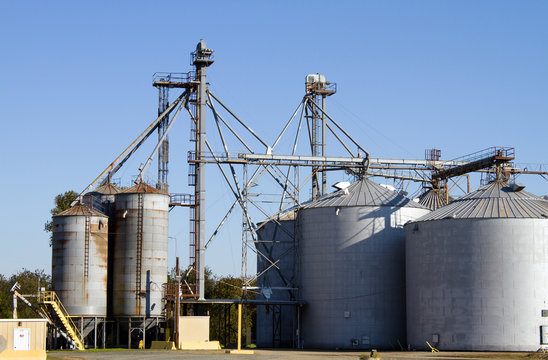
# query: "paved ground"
x,y
280,354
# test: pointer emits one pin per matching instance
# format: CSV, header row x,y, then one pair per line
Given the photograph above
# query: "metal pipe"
x,y
340,140
288,123
221,223
177,303
340,128
268,148
157,147
150,128
231,129
240,326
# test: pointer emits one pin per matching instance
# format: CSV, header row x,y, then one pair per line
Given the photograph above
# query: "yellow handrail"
x,y
51,298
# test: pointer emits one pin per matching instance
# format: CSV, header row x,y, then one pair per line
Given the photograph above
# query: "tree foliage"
x,y
29,281
62,203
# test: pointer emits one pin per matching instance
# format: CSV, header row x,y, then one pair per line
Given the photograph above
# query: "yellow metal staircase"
x,y
50,298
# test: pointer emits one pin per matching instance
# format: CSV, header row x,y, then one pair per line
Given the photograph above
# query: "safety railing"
x,y
51,298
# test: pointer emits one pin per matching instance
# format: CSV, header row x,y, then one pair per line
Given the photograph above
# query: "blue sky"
x,y
76,89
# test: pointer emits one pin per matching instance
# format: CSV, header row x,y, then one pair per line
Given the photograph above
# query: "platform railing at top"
x,y
486,153
182,199
174,77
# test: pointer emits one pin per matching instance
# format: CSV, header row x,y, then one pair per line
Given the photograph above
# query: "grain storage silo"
x,y
352,268
277,324
79,261
102,199
477,271
140,251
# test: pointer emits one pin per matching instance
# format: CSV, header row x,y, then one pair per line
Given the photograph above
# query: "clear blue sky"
x,y
76,88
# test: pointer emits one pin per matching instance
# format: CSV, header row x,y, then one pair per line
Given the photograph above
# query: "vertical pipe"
x,y
129,334
14,306
95,333
324,175
104,332
144,332
200,181
240,326
177,304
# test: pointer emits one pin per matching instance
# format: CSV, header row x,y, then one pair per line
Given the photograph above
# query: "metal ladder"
x,y
139,258
86,248
50,298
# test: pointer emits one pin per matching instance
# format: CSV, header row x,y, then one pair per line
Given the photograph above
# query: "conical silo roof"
x,y
495,200
80,210
142,188
434,199
363,192
108,189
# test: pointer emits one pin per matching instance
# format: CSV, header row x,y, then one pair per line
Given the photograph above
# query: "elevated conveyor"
x,y
473,162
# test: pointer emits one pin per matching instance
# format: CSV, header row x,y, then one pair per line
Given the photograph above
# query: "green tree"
x,y
223,324
29,281
62,203
5,298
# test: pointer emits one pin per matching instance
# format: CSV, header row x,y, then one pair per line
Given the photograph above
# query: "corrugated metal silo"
x,y
476,272
276,324
79,261
140,251
352,267
102,199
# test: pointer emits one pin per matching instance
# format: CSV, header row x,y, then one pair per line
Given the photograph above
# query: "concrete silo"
x,y
477,271
140,251
79,260
352,271
277,324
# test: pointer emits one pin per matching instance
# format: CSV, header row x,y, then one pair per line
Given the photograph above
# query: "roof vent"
x,y
517,187
342,185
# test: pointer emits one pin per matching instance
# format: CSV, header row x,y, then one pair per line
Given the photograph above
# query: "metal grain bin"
x,y
103,199
351,246
140,251
277,324
477,271
79,261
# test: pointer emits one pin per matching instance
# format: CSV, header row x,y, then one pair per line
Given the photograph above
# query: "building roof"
x,y
363,192
495,200
81,210
142,188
